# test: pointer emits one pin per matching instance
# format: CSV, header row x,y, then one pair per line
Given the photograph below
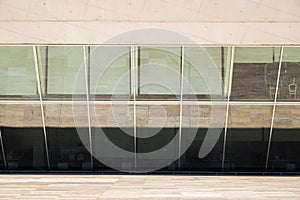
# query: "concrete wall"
x,y
230,22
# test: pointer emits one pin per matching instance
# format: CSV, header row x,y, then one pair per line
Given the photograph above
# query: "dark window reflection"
x,y
121,138
1,160
246,149
24,148
190,160
68,148
285,150
157,139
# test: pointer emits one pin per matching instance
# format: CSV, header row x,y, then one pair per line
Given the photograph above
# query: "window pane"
x,y
24,148
113,148
1,157
162,143
191,161
17,72
206,72
68,148
285,150
159,72
246,149
110,72
289,81
62,72
255,72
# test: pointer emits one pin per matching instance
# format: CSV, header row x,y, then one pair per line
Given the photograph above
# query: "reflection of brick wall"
x,y
250,81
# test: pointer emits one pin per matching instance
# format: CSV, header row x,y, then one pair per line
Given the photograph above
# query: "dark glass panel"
x,y
1,157
190,160
122,138
68,148
24,148
246,149
285,150
162,143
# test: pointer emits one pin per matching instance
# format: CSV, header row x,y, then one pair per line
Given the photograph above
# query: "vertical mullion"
x,y
133,55
46,69
86,71
41,102
3,152
222,69
180,106
274,108
227,106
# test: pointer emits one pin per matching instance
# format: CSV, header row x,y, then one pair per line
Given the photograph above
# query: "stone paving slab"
x,y
98,187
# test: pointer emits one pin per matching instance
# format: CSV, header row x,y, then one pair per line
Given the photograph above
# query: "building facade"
x,y
143,86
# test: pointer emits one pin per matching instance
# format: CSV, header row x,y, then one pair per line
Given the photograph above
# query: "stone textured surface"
x,y
21,115
250,116
95,187
149,115
287,116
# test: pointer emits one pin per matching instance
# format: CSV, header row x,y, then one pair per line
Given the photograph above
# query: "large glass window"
x,y
68,148
255,72
246,149
17,73
206,72
285,150
24,148
289,82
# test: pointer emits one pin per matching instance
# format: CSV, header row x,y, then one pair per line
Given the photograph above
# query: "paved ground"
x,y
147,187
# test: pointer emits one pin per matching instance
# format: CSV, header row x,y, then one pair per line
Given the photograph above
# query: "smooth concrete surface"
x,y
206,22
148,187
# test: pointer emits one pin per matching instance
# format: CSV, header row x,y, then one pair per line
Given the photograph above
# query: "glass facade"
x,y
144,108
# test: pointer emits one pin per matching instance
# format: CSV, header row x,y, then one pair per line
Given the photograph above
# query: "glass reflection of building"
x,y
142,97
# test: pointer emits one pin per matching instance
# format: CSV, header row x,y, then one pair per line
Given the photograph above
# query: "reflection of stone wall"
x,y
158,115
249,116
20,115
149,115
287,116
203,116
